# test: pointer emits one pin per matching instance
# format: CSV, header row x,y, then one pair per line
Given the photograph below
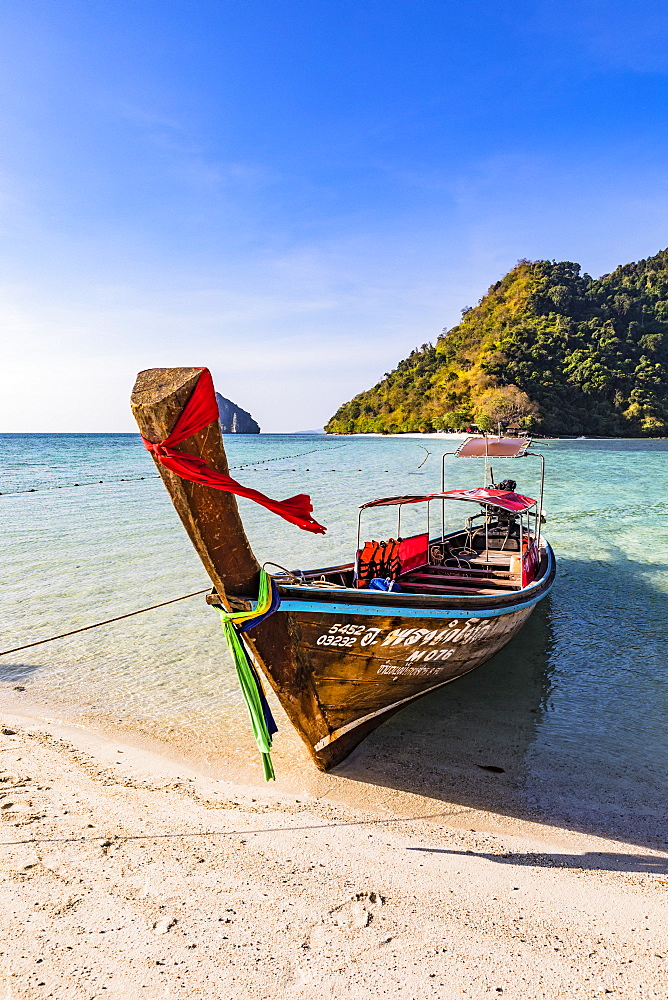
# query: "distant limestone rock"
x,y
234,420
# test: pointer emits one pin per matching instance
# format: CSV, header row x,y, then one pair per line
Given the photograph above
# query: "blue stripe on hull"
x,y
399,612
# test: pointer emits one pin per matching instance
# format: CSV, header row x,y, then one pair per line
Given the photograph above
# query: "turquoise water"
x,y
77,554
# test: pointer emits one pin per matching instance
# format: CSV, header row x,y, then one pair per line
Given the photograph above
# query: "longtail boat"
x,y
345,647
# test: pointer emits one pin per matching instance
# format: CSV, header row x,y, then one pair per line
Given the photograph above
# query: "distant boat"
x,y
350,645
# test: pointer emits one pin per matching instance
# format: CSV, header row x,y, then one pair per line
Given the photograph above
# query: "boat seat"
x,y
492,556
466,581
465,570
415,588
431,581
497,543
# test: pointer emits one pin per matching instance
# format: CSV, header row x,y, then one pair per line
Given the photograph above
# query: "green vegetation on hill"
x,y
546,348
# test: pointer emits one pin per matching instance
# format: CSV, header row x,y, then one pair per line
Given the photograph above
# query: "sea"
x,y
573,713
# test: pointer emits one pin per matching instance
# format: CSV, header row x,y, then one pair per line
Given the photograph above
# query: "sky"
x,y
296,193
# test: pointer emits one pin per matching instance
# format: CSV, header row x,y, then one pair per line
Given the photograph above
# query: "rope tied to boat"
x,y
234,624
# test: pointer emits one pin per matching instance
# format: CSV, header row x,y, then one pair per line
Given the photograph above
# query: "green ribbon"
x,y
248,680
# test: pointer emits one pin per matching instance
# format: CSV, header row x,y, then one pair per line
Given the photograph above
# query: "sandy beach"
x,y
130,870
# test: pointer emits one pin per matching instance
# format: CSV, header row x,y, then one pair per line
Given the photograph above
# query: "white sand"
x,y
438,435
128,872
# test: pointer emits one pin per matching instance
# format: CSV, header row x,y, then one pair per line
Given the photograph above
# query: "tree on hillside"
x,y
505,405
453,420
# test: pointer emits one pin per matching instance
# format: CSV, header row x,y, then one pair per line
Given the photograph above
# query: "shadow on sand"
x,y
564,726
607,861
14,673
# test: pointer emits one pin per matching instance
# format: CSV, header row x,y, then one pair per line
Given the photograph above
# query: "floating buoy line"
x,y
255,466
258,466
99,482
138,479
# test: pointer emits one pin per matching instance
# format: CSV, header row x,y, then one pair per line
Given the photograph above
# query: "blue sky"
x,y
298,193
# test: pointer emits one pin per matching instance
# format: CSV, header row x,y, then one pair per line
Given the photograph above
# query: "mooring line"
x,y
117,839
107,621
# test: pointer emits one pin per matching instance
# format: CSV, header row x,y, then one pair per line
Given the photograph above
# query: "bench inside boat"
x,y
455,564
497,551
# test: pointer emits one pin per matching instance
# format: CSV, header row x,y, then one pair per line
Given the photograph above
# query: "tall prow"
x,y
210,517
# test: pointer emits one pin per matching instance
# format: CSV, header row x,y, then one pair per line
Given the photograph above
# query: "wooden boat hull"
x,y
391,661
358,664
341,661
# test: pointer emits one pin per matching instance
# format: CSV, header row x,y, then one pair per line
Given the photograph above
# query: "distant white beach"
x,y
441,435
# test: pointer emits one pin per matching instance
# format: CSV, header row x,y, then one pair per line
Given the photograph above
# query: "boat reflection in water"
x,y
469,744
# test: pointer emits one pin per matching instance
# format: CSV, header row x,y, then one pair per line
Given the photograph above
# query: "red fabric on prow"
x,y
200,411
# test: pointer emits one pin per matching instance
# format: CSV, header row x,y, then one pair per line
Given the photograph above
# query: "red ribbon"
x,y
200,411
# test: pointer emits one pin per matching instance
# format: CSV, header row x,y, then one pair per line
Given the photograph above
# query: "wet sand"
x,y
133,867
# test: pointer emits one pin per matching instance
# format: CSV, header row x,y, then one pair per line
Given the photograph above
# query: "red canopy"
x,y
505,499
492,447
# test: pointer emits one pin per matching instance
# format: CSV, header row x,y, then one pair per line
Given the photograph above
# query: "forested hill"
x,y
547,348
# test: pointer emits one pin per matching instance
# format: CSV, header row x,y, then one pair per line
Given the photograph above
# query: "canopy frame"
x,y
498,445
485,502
